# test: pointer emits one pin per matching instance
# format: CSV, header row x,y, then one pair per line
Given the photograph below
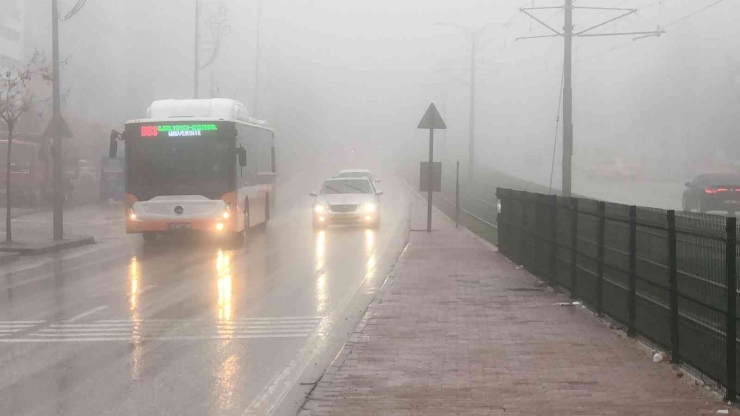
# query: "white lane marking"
x,y
168,325
146,289
286,318
10,330
282,382
21,322
144,330
138,339
65,270
86,313
16,326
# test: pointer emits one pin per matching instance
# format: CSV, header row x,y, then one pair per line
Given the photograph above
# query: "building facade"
x,y
12,28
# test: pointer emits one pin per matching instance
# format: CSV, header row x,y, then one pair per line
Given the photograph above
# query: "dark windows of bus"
x,y
179,166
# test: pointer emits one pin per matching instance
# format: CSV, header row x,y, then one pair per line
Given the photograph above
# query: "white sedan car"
x,y
347,201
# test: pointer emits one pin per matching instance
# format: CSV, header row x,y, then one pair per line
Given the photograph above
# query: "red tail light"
x,y
715,190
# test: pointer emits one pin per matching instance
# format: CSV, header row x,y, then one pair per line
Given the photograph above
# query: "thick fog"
x,y
337,75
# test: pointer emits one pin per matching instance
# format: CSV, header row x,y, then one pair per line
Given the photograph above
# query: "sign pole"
x,y
431,120
429,180
457,194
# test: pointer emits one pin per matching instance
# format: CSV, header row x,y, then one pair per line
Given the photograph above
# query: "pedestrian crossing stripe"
x,y
138,330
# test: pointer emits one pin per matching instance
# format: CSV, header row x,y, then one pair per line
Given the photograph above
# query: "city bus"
x,y
197,165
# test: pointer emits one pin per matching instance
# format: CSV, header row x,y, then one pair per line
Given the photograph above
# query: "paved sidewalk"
x,y
457,329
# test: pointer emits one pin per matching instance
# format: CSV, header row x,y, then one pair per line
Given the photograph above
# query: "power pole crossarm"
x,y
568,69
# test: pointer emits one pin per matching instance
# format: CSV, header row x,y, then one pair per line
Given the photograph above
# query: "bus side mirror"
x,y
113,149
242,153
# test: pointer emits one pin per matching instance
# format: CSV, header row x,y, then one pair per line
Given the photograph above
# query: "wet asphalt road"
x,y
188,327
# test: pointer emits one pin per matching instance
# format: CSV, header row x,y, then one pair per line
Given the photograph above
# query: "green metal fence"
x,y
670,277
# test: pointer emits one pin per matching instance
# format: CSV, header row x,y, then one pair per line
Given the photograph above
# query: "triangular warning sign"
x,y
58,128
432,119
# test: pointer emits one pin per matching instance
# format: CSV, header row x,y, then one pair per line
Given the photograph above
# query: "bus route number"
x,y
149,131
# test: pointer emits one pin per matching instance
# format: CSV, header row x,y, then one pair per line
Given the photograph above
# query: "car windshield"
x,y
355,175
357,186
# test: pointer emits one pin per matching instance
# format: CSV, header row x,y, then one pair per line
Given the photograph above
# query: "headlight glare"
x,y
370,207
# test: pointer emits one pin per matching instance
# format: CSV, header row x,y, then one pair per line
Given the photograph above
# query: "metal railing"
x,y
669,277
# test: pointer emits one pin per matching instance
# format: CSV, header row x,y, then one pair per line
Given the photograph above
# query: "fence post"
x,y
457,194
673,281
632,302
523,231
731,319
553,239
600,256
501,225
574,248
537,235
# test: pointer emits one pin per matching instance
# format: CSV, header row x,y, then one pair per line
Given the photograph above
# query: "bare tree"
x,y
16,99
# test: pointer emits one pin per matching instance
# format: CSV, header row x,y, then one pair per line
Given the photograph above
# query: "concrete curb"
x,y
319,391
38,248
6,258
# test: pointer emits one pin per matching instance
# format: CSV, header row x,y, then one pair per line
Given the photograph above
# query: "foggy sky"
x,y
338,74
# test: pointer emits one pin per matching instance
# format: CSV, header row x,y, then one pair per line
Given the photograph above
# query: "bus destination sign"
x,y
177,130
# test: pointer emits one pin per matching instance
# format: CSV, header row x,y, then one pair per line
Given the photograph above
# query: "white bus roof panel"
x,y
220,108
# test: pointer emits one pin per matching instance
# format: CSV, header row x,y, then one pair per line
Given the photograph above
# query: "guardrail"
x,y
669,277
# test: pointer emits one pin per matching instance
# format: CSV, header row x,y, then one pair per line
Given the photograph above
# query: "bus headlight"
x,y
318,208
219,226
226,214
132,216
370,207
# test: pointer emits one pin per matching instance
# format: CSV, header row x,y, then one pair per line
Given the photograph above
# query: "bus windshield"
x,y
178,166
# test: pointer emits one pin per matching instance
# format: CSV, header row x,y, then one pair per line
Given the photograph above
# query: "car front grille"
x,y
344,208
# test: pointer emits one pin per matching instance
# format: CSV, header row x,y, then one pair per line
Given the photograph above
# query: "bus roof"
x,y
212,109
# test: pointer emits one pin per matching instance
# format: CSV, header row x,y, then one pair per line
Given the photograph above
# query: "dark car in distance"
x,y
713,192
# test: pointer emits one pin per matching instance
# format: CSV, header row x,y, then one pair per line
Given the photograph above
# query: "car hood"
x,y
345,199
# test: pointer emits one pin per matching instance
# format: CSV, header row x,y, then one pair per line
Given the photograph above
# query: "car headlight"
x,y
370,207
318,208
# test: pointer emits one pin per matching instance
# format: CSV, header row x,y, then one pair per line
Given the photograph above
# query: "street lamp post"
x,y
58,210
216,25
473,35
196,64
257,62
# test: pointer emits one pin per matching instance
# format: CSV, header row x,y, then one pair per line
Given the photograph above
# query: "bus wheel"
x,y
149,237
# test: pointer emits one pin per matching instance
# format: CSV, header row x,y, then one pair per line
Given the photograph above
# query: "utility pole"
x,y
257,62
58,192
568,35
196,66
567,99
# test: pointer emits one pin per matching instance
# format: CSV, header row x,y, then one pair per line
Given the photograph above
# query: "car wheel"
x,y
700,207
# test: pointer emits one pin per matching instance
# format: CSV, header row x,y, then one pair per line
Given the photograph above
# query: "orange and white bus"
x,y
197,165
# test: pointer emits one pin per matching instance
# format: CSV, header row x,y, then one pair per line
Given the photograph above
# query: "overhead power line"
x,y
679,20
693,14
568,34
